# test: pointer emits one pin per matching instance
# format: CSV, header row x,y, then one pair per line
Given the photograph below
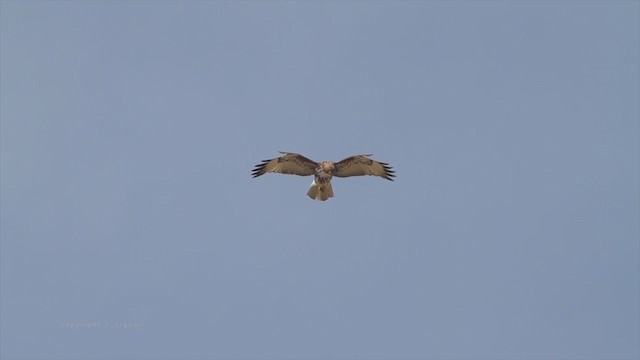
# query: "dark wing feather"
x,y
359,165
288,163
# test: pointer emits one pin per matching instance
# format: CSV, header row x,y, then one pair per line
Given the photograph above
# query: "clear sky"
x,y
132,229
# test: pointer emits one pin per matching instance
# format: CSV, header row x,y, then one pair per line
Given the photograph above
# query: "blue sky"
x,y
129,130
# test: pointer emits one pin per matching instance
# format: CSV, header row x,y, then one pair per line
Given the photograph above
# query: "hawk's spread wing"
x,y
288,163
359,165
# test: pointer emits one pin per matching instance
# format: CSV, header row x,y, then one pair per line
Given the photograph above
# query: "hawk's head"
x,y
326,167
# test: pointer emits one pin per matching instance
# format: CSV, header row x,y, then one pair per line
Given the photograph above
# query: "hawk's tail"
x,y
320,191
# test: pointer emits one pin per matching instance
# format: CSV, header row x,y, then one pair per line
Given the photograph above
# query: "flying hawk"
x,y
323,171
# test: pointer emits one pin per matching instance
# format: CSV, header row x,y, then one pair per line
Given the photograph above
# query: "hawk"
x,y
323,171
